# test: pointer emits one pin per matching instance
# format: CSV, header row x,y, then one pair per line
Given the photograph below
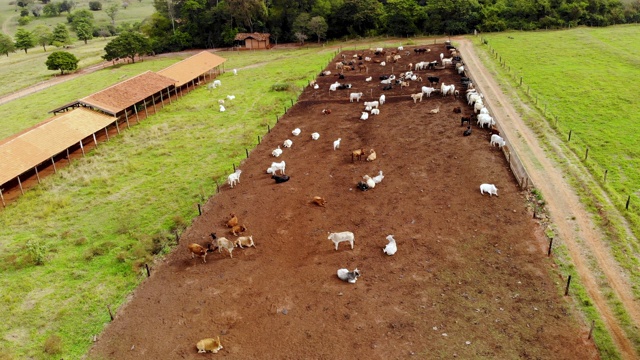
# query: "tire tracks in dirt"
x,y
563,205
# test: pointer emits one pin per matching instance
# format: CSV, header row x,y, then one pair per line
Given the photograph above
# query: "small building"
x,y
252,40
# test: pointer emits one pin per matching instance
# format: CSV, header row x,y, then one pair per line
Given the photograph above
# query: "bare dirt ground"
x,y
574,224
470,279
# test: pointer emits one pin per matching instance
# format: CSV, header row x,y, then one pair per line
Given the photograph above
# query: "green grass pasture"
x,y
588,79
137,11
109,213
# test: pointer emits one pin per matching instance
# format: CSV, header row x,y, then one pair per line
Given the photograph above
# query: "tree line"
x,y
181,24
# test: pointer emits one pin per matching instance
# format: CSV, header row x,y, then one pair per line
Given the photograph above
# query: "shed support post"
x,y
117,126
2,198
68,156
37,175
153,99
169,96
126,117
20,184
106,132
54,165
135,108
176,91
82,148
95,141
146,114
161,99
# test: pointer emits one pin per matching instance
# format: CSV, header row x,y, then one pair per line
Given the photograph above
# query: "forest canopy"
x,y
181,24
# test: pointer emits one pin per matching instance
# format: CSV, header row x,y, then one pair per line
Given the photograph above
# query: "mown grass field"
x,y
587,78
137,11
103,217
19,70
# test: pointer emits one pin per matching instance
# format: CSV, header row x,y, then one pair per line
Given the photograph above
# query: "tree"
x,y
36,10
24,40
63,61
43,36
84,31
6,44
66,5
301,23
247,12
126,45
60,35
358,17
318,25
301,37
80,16
400,17
51,10
112,12
95,5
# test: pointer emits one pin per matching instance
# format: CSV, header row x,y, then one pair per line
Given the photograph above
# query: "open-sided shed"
x,y
24,152
190,70
253,40
126,98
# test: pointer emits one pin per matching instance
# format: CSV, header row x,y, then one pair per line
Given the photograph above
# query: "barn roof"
x,y
192,67
127,93
257,36
38,144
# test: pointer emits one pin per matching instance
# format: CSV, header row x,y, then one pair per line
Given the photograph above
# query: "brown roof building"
x,y
120,96
25,151
192,67
253,40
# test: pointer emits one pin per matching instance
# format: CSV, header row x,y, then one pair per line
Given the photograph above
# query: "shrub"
x,y
280,87
95,5
53,345
37,251
24,20
24,12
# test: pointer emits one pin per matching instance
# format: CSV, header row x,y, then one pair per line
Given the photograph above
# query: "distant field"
x,y
589,79
103,216
136,11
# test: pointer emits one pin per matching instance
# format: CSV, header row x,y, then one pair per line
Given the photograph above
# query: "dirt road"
x,y
574,225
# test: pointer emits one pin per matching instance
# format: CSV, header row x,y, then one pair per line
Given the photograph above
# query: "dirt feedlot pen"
x,y
470,277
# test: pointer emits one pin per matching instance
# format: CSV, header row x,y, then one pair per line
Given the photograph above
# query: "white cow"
x,y
391,247
355,96
275,167
315,136
287,143
428,90
485,119
373,104
234,178
364,116
216,83
277,152
336,144
497,140
382,99
375,112
489,188
342,236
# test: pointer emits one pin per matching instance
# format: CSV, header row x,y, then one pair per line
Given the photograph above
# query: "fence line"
x,y
597,171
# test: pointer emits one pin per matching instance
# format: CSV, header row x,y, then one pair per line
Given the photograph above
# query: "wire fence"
x,y
578,145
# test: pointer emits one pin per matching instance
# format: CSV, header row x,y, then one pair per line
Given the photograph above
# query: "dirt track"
x,y
470,278
574,225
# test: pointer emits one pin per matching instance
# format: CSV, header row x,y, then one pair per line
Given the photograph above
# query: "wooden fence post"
x,y
566,290
550,245
593,323
586,154
605,174
569,139
110,313
199,209
148,272
628,200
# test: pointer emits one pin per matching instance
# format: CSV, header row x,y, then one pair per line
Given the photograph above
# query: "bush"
x,y
280,87
95,5
24,12
53,345
37,251
24,20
